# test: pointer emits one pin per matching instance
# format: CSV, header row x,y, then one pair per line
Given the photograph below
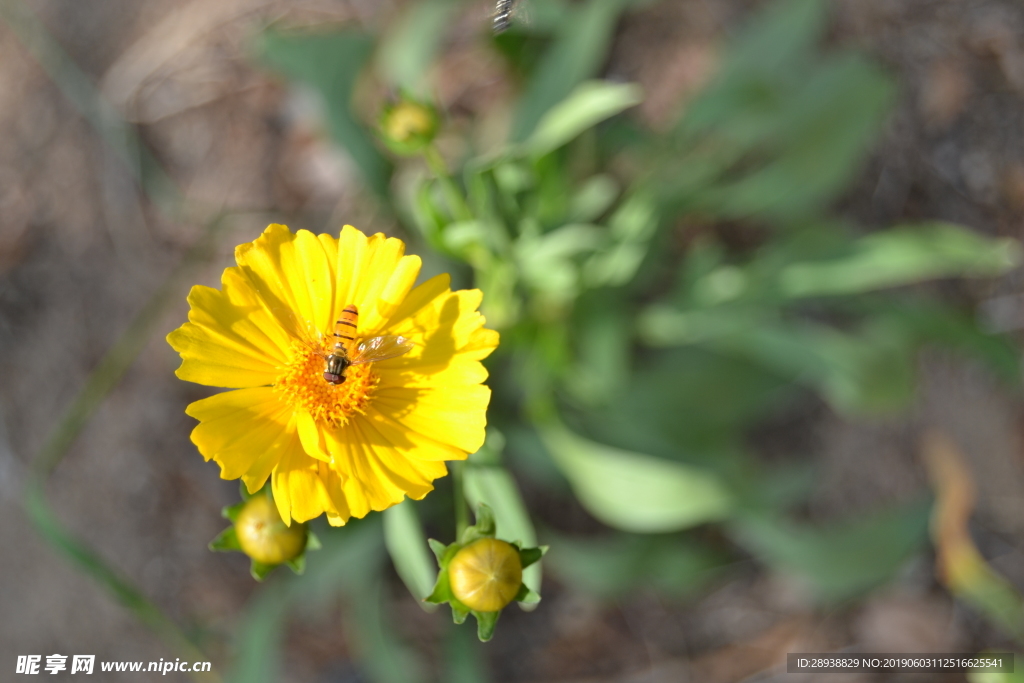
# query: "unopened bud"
x,y
264,537
486,575
408,126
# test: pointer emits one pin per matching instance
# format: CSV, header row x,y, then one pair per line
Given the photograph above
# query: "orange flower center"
x,y
302,384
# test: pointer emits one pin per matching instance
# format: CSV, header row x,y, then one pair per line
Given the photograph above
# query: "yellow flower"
x,y
344,449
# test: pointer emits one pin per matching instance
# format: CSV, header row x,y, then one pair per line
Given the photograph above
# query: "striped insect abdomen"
x,y
345,330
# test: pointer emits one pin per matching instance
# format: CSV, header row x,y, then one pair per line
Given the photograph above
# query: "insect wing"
x,y
381,348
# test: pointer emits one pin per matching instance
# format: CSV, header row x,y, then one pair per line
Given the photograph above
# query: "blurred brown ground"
x,y
80,253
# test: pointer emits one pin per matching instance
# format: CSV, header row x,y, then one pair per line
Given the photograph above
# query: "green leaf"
x,y
767,55
613,565
579,50
226,540
900,256
633,491
298,564
259,570
632,225
407,545
824,130
407,51
870,371
484,527
330,63
459,614
842,559
593,198
529,556
690,404
231,512
442,592
586,106
601,336
526,595
485,622
439,549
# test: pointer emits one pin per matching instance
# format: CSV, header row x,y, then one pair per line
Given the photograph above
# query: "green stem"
x,y
453,195
459,493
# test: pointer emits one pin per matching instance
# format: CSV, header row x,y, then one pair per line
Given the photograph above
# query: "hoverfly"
x,y
347,351
503,15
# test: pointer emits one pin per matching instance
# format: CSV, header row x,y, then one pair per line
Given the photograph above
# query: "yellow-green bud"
x,y
408,126
486,574
264,537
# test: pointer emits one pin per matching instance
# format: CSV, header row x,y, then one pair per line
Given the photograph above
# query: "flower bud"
x,y
486,575
264,537
408,126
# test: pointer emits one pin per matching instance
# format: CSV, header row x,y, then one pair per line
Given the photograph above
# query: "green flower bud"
x,y
259,532
408,127
264,537
486,575
481,574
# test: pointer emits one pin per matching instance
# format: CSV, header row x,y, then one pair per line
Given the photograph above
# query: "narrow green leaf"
x,y
407,545
529,556
231,512
485,622
613,565
226,540
903,255
844,559
438,548
633,491
593,198
459,614
525,595
298,564
442,592
586,106
259,570
484,527
577,53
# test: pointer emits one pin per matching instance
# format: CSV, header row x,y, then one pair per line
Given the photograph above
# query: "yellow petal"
x,y
339,513
457,417
383,303
299,491
227,342
412,444
246,431
292,277
373,273
311,436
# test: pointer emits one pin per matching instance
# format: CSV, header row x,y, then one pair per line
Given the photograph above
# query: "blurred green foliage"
x,y
640,345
